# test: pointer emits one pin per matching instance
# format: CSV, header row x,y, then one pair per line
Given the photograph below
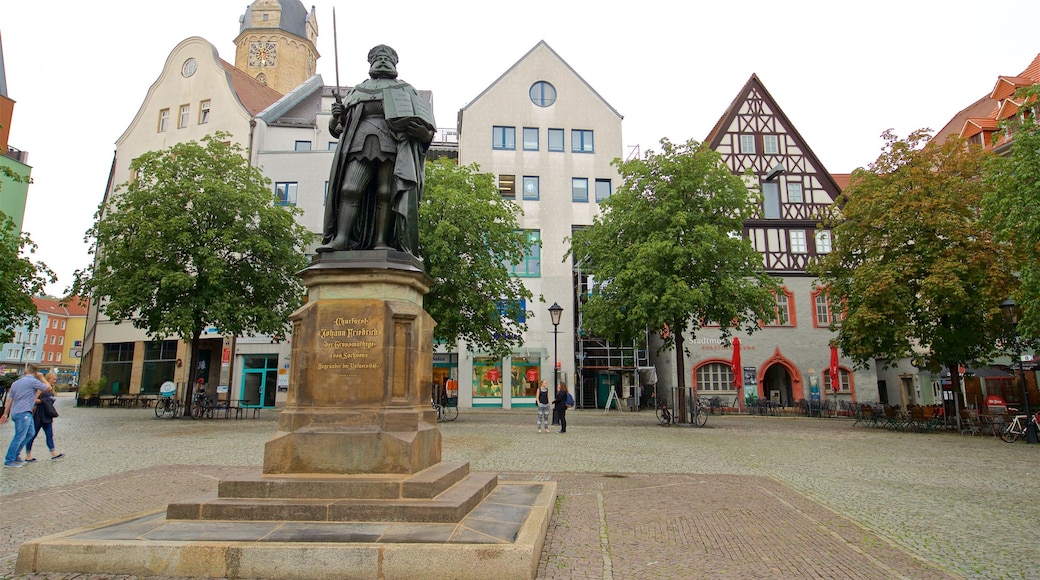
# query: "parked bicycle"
x,y
699,414
201,406
1017,427
166,405
447,409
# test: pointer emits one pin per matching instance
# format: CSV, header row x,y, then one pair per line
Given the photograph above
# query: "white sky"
x,y
843,72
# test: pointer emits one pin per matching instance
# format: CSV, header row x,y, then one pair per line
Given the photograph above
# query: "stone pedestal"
x,y
362,364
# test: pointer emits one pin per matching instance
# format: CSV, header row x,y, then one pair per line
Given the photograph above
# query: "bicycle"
x,y
201,407
651,400
166,405
1017,427
446,411
700,414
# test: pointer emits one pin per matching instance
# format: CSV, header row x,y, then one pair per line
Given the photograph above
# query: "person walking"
x,y
43,418
19,409
543,407
563,401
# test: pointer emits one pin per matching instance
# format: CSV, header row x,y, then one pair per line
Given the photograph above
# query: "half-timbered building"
x,y
787,362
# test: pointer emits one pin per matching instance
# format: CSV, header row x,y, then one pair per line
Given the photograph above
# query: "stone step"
x,y
427,484
450,506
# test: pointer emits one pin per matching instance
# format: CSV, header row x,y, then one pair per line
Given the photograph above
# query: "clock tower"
x,y
276,43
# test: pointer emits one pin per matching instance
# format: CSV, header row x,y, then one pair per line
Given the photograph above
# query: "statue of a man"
x,y
384,129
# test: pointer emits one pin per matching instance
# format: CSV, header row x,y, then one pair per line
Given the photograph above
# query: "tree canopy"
x,y
918,270
667,250
195,239
20,279
468,236
1011,206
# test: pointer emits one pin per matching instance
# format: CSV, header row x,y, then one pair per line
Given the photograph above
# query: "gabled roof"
x,y
542,43
991,107
726,120
54,307
254,95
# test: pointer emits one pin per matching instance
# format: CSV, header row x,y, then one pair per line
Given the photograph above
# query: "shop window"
x,y
487,377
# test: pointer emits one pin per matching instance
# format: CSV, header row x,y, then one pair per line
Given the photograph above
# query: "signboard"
x,y
492,375
225,356
77,352
750,376
221,389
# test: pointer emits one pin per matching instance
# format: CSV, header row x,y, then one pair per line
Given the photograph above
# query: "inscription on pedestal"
x,y
348,345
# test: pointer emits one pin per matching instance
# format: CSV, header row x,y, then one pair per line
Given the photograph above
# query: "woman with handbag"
x,y
43,418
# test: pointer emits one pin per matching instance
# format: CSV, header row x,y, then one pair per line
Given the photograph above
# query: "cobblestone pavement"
x,y
744,497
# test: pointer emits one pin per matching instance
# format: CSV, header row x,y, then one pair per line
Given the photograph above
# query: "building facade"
x,y
15,189
52,342
276,44
788,360
196,94
548,138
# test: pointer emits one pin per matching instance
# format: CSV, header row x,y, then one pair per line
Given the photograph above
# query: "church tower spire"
x,y
276,43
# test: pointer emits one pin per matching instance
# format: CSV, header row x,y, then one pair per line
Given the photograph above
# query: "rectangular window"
x,y
302,146
487,377
507,186
59,357
332,145
555,139
63,325
531,266
50,356
54,339
603,189
747,143
116,365
825,314
204,112
503,137
582,141
798,242
823,242
771,200
61,340
794,192
532,187
770,145
164,120
530,138
580,189
182,122
160,363
525,375
54,324
285,193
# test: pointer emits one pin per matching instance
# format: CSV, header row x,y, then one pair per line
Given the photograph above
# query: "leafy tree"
x,y
664,252
468,234
915,265
1011,206
194,240
20,279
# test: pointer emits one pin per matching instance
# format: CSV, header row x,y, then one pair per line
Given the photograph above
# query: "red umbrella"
x,y
835,372
738,374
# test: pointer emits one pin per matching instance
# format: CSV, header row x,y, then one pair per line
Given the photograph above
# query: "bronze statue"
x,y
384,129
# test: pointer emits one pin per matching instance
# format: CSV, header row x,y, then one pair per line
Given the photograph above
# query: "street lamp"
x,y
555,311
1013,314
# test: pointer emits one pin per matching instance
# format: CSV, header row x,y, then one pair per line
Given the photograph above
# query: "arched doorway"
x,y
780,377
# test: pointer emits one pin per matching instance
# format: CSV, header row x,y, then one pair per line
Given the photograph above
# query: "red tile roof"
x,y
253,95
985,114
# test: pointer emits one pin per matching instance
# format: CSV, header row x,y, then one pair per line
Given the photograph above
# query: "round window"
x,y
189,67
543,94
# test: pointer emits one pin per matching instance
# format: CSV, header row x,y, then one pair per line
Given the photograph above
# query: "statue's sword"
x,y
335,53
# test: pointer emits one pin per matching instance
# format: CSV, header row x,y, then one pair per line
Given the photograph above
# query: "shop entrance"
x,y
777,385
259,380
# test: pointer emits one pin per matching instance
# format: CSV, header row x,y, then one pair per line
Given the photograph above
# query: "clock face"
x,y
262,53
189,67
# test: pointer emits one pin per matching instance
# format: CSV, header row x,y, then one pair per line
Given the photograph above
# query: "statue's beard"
x,y
382,73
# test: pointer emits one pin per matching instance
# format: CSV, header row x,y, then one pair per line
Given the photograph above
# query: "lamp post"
x,y
1013,313
555,311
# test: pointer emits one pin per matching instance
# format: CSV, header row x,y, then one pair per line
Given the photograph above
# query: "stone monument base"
x,y
501,537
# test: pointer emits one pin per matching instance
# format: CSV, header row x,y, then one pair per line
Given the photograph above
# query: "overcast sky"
x,y
843,72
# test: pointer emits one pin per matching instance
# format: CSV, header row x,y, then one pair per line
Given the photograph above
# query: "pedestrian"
x,y
19,408
43,418
543,407
563,401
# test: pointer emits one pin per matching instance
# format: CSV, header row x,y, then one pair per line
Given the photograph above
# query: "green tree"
x,y
468,236
918,270
666,250
195,239
1011,205
20,279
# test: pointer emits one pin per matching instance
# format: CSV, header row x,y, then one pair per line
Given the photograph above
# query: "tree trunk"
x,y
955,385
193,361
679,405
